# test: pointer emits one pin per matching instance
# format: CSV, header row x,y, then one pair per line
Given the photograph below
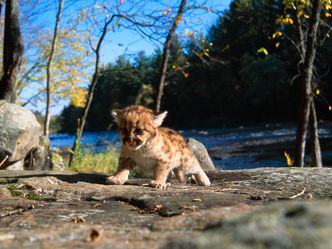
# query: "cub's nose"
x,y
131,142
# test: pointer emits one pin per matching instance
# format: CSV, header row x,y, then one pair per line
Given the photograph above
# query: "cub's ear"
x,y
115,114
158,119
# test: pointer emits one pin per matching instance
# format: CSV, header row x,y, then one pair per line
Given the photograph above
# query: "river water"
x,y
230,148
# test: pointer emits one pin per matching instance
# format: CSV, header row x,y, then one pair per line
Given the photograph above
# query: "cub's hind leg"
x,y
201,178
191,166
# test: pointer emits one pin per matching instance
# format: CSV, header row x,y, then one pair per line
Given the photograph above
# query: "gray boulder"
x,y
283,225
201,154
19,135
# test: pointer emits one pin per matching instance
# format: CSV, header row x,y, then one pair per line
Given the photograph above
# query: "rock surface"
x,y
19,135
282,225
261,208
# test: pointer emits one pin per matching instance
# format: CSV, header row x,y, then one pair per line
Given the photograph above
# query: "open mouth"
x,y
138,147
133,144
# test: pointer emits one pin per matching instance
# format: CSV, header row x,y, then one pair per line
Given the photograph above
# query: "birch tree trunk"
x,y
314,140
164,62
305,92
48,70
92,88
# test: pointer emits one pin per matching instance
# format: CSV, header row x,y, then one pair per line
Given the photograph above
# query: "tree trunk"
x,y
305,94
164,62
12,52
90,93
314,141
302,125
48,70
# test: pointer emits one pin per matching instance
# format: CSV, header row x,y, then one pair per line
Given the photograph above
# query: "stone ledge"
x,y
70,210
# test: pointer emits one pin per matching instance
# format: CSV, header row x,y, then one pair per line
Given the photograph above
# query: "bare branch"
x,y
48,69
38,63
166,47
29,100
299,72
296,46
3,161
92,87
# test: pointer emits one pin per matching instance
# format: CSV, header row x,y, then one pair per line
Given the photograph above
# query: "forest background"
x,y
262,61
236,73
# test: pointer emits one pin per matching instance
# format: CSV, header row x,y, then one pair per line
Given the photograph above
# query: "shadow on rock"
x,y
93,178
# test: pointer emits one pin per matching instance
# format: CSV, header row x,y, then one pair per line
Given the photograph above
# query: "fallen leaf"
x,y
310,196
158,207
77,220
94,235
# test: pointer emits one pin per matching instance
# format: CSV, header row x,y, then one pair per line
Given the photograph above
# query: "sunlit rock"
x,y
19,135
201,154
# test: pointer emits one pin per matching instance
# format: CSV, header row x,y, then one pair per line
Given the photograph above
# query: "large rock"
x,y
201,154
50,209
279,226
19,135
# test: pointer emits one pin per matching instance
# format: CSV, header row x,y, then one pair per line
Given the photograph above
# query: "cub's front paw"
x,y
160,185
113,180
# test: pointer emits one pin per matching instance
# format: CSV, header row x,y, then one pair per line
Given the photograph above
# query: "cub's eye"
x,y
138,131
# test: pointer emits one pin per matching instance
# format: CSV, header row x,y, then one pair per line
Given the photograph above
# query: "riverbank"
x,y
230,148
76,210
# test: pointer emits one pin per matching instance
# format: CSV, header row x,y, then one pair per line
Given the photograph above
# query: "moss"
x,y
37,197
4,181
33,196
14,190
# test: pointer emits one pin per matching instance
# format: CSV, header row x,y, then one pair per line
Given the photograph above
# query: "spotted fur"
x,y
156,150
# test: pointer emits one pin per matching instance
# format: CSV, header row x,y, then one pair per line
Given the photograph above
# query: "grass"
x,y
87,161
104,162
33,196
36,197
14,190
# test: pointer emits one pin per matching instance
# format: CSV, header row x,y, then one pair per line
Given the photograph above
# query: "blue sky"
x,y
131,42
125,41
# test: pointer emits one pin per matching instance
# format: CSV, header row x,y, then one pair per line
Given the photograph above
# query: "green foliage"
x,y
14,190
25,191
70,115
268,90
33,196
87,161
120,84
214,80
68,67
56,124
